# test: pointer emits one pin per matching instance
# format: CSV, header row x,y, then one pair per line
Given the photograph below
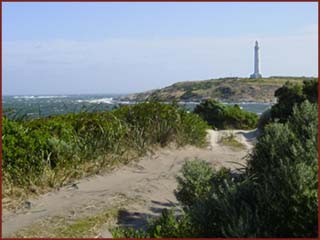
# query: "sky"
x,y
89,48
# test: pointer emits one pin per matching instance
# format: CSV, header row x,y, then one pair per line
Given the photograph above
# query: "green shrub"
x,y
264,119
66,143
195,182
97,133
222,116
310,90
154,122
168,225
285,163
57,137
192,129
292,94
276,195
120,232
23,152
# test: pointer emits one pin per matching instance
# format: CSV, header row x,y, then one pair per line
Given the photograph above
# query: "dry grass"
x,y
14,197
77,226
231,141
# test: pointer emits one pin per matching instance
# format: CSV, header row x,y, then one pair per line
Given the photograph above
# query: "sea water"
x,y
34,106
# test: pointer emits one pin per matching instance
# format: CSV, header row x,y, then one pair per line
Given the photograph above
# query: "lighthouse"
x,y
256,73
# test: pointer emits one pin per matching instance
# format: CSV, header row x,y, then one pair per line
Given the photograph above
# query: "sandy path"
x,y
151,179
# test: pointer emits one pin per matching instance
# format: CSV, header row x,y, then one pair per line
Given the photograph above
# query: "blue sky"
x,y
61,48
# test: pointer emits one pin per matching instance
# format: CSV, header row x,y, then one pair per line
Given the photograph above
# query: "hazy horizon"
x,y
126,93
121,48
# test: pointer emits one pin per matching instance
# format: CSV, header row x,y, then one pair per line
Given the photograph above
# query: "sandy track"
x,y
151,179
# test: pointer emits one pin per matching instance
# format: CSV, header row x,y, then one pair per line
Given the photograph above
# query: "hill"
x,y
223,89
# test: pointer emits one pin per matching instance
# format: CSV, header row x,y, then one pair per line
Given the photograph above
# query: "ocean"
x,y
34,106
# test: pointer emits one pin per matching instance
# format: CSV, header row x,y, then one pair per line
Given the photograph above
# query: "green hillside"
x,y
223,89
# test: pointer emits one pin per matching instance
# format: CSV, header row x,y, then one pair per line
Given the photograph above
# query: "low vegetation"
x,y
222,116
289,95
232,89
50,152
274,195
231,141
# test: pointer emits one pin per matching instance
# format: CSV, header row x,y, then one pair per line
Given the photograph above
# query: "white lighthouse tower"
x,y
256,73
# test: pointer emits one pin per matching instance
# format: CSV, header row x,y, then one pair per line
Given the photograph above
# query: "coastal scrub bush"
x,y
154,122
276,195
97,133
264,119
192,129
284,163
168,225
291,94
283,168
57,139
194,183
222,116
310,90
202,192
21,152
82,143
288,95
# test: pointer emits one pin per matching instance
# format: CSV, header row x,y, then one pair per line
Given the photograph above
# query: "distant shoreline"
x,y
227,90
34,106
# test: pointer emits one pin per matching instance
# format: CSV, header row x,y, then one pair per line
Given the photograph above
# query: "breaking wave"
x,y
35,97
100,100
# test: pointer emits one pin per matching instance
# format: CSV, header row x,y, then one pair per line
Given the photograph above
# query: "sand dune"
x,y
151,179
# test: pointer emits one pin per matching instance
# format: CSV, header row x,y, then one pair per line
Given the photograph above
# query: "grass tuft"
x,y
231,141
